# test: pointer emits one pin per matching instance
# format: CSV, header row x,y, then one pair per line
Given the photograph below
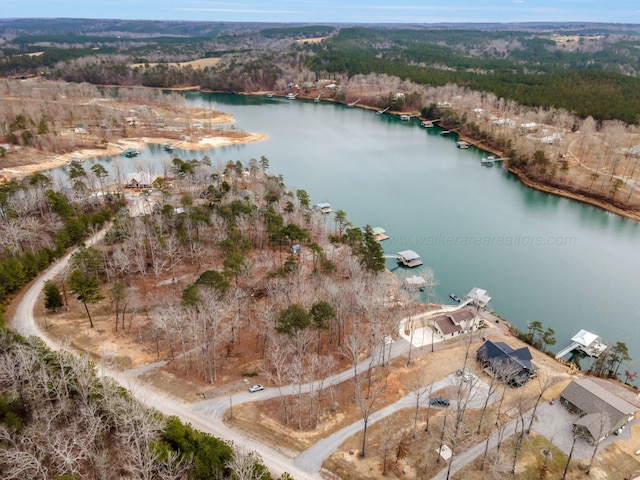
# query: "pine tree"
x,y
52,296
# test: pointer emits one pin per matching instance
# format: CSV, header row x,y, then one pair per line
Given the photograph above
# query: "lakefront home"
x,y
457,322
512,366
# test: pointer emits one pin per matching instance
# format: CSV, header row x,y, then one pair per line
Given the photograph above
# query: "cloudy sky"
x,y
349,11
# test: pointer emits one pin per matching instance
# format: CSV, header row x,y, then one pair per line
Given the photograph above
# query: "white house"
x,y
457,322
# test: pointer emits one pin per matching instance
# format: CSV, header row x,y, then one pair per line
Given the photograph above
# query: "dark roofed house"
x,y
600,411
512,366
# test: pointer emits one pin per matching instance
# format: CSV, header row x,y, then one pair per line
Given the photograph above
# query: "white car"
x,y
468,377
256,388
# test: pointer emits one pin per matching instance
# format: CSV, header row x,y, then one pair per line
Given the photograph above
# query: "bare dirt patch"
x,y
199,63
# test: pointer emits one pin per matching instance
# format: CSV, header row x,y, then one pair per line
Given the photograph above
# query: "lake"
x,y
539,256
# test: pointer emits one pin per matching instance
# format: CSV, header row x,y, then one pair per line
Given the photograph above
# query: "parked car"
x,y
256,388
468,377
439,401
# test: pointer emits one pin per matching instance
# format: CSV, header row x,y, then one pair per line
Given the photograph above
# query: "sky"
x,y
346,11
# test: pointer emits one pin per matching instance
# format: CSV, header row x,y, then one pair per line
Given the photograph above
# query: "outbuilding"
x,y
600,411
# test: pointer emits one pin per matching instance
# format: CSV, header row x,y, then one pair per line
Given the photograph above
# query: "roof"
x,y
500,350
591,398
584,338
480,296
415,280
409,255
446,325
451,322
141,178
323,205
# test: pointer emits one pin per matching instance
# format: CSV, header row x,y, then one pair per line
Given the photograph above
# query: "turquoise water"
x,y
539,256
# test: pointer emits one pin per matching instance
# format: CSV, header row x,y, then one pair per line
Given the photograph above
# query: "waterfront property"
x,y
380,233
324,207
588,342
414,283
478,297
130,153
409,258
601,412
457,322
512,366
426,123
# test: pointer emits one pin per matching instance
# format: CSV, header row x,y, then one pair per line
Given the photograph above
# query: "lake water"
x,y
539,256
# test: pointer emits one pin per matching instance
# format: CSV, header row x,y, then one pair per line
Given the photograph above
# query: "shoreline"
x,y
522,177
204,143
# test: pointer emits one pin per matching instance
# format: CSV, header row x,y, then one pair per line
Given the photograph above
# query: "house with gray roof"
x,y
600,411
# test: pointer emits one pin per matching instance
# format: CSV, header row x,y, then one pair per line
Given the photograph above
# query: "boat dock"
x,y
380,112
588,342
409,258
352,104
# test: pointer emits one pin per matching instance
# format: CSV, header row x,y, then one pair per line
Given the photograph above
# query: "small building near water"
x,y
414,283
324,207
409,258
379,233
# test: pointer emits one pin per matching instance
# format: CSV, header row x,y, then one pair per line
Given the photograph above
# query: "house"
x,y
296,248
600,411
457,322
140,180
512,366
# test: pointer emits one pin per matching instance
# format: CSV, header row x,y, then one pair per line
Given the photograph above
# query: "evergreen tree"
x,y
52,296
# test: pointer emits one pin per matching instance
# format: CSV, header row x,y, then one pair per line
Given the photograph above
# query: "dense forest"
x,y
590,70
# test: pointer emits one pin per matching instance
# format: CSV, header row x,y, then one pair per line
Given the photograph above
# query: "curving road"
x,y
208,421
207,415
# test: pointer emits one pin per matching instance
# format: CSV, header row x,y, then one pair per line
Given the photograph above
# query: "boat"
x,y
409,258
455,297
76,161
169,147
130,153
426,123
445,132
270,95
462,144
405,118
291,96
